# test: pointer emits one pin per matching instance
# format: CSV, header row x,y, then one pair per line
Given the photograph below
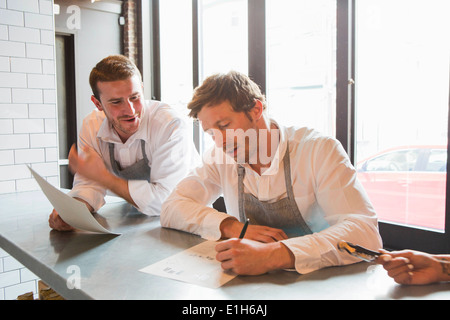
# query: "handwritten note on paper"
x,y
72,211
196,265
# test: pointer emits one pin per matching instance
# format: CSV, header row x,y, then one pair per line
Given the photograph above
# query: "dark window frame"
x,y
66,177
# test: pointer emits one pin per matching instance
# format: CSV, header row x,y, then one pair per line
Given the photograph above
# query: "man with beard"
x,y
297,188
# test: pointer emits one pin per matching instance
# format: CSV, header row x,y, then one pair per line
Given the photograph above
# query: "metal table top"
x,y
108,266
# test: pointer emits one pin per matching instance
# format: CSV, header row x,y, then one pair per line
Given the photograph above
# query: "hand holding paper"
x,y
57,223
73,212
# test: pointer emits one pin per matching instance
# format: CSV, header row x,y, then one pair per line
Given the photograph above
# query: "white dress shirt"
x,y
168,146
331,199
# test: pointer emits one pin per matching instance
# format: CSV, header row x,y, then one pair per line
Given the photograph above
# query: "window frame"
x,y
66,177
394,236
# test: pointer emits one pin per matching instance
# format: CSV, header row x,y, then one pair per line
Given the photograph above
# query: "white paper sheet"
x,y
72,211
196,265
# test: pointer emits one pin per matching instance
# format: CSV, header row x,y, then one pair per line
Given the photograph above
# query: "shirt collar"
x,y
279,154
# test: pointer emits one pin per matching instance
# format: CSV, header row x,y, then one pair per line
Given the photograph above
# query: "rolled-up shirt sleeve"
x,y
86,189
188,207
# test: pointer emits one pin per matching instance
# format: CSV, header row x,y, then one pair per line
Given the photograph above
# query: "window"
x,y
437,161
176,53
223,36
402,91
301,63
223,42
374,74
407,186
189,53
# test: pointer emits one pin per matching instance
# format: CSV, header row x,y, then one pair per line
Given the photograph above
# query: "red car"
x,y
407,185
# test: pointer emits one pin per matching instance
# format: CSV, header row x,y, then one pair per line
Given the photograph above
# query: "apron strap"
x,y
241,173
290,191
114,164
144,154
138,171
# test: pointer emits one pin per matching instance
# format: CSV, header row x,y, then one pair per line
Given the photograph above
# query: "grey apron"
x,y
282,214
138,171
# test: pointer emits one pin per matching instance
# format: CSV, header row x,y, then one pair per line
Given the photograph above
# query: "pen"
x,y
244,229
358,251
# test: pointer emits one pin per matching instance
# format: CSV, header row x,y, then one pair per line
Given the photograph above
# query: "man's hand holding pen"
x,y
258,249
232,228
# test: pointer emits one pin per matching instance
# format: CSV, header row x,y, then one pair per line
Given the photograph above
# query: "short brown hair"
x,y
112,68
235,87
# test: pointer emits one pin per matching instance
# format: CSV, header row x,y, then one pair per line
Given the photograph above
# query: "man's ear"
x,y
258,109
97,103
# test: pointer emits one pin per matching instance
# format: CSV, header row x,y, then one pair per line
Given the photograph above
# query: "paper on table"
x,y
72,211
196,265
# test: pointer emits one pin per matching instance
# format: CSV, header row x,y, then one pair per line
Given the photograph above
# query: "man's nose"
x,y
219,138
130,107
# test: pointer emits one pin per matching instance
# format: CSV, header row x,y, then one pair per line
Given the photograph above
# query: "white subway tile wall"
x,y
28,114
